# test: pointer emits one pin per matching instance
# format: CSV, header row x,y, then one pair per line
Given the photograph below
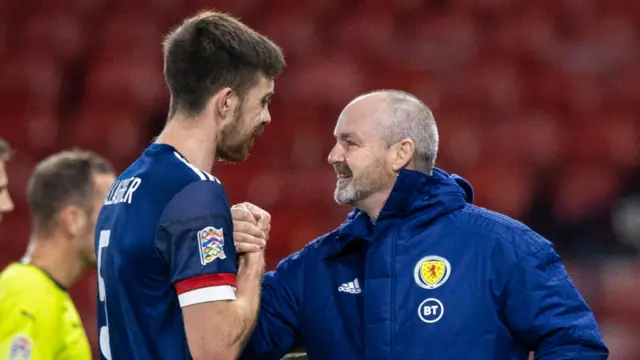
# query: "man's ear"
x,y
225,102
402,154
72,220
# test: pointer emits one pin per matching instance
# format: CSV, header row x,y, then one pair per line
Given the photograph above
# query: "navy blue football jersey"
x,y
163,241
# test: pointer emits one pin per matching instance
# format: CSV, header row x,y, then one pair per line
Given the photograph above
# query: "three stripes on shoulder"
x,y
201,173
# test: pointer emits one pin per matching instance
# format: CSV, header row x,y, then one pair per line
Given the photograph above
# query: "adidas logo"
x,y
351,287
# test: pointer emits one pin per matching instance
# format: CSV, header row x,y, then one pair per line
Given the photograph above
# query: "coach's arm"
x,y
276,332
543,307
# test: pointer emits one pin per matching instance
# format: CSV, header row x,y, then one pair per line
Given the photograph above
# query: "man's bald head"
x,y
399,115
377,135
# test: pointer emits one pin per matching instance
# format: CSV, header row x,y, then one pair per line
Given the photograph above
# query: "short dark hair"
x,y
62,179
5,150
211,51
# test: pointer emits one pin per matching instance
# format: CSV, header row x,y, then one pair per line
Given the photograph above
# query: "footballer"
x,y
170,283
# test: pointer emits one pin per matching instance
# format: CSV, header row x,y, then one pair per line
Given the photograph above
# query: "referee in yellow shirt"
x,y
38,319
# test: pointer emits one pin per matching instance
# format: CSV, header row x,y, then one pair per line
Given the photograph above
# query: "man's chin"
x,y
231,159
341,198
236,154
234,157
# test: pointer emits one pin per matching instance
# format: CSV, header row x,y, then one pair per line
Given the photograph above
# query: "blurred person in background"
x,y
6,204
169,281
38,319
417,270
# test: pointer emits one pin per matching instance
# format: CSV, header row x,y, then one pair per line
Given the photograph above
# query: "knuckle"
x,y
239,226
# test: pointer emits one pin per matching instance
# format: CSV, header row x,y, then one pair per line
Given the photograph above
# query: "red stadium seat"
x,y
4,35
608,137
133,78
244,9
32,129
131,33
535,138
56,36
114,130
340,76
85,9
158,10
31,79
503,184
547,90
461,142
298,45
355,34
626,88
620,292
585,189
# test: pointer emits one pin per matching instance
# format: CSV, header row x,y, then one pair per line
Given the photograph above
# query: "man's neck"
x,y
193,139
58,261
373,204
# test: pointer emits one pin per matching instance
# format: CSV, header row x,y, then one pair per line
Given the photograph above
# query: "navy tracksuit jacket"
x,y
434,278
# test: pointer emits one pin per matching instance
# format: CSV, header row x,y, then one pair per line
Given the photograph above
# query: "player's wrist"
x,y
251,264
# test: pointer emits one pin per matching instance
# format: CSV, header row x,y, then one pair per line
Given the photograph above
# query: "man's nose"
x,y
266,117
6,204
335,155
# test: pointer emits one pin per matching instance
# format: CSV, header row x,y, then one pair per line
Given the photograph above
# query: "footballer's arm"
x,y
220,329
217,291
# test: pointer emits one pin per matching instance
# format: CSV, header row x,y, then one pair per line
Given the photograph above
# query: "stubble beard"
x,y
231,147
352,190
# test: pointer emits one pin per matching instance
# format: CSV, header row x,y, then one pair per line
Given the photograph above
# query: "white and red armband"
x,y
206,288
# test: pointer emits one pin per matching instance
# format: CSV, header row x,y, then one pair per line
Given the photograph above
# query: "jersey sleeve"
x,y
29,326
195,236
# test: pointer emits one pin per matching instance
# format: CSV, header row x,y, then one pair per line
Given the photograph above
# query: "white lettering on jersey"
x,y
122,191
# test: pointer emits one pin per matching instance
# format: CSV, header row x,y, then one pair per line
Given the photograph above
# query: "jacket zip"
x,y
393,293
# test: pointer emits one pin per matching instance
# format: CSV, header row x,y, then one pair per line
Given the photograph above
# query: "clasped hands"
x,y
251,227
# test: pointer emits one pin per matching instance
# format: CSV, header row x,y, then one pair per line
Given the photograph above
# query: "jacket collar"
x,y
432,196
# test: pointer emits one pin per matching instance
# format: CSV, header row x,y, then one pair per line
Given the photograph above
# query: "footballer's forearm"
x,y
249,285
219,330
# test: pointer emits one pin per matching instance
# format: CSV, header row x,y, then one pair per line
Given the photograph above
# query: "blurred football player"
x,y
6,205
170,283
37,317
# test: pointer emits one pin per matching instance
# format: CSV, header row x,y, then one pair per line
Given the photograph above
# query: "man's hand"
x,y
263,218
251,226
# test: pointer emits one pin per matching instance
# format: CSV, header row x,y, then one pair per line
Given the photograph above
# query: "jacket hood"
x,y
414,190
430,196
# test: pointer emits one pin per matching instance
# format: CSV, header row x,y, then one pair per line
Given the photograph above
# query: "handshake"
x,y
251,226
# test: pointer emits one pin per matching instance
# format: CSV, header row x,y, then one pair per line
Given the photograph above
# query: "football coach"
x,y
417,271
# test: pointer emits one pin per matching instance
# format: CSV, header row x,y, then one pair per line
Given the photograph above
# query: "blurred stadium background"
x,y
537,104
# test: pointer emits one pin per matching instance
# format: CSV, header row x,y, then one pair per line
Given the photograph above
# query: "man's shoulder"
x,y
494,228
24,287
157,177
317,248
167,170
25,277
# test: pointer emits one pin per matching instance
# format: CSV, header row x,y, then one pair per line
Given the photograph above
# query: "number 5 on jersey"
x,y
105,349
